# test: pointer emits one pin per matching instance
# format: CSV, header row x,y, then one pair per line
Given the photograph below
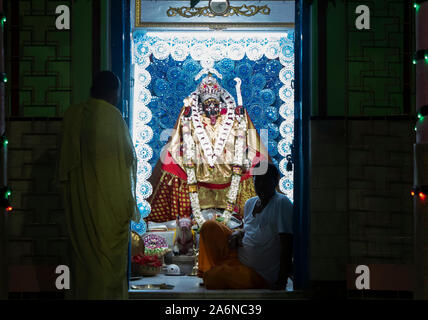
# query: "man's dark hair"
x,y
103,84
272,172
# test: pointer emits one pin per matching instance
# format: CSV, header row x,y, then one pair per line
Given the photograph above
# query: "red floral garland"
x,y
149,261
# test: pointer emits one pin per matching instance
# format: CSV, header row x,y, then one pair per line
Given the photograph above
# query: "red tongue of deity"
x,y
213,119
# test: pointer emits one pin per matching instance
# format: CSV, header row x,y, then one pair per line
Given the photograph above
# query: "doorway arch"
x,y
132,24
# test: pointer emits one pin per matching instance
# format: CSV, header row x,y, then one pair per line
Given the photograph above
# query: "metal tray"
x,y
152,286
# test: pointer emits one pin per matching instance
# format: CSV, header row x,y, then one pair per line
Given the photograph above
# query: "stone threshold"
x,y
217,294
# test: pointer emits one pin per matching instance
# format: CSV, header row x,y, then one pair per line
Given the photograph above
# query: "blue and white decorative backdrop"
x,y
165,65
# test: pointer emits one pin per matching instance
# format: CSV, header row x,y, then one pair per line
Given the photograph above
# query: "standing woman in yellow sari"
x,y
98,175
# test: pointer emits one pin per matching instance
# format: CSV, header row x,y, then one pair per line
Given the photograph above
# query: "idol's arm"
x,y
286,255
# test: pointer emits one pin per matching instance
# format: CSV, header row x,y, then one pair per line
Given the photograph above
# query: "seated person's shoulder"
x,y
253,199
250,200
283,200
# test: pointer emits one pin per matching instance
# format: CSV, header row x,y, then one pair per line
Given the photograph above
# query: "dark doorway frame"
x,y
301,150
120,32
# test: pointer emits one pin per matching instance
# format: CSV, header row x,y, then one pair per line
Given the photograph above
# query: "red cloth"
x,y
170,201
170,166
173,199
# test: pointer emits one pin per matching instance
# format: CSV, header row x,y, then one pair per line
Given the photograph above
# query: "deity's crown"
x,y
209,88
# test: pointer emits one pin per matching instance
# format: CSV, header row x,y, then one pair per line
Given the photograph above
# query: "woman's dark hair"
x,y
104,83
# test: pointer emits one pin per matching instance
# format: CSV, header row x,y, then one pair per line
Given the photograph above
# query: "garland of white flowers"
x,y
189,150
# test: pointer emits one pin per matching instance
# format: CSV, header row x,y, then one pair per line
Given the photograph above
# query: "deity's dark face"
x,y
211,108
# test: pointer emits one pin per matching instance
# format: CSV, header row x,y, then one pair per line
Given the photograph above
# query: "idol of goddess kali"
x,y
206,164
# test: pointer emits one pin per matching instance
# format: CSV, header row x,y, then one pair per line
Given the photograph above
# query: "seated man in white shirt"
x,y
259,255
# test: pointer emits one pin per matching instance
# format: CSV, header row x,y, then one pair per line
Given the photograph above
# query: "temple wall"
x,y
48,71
36,228
362,72
361,207
363,98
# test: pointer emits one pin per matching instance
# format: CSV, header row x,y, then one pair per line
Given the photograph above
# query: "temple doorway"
x,y
170,56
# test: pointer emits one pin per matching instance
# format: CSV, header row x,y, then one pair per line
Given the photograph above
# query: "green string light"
x,y
421,54
417,4
422,112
